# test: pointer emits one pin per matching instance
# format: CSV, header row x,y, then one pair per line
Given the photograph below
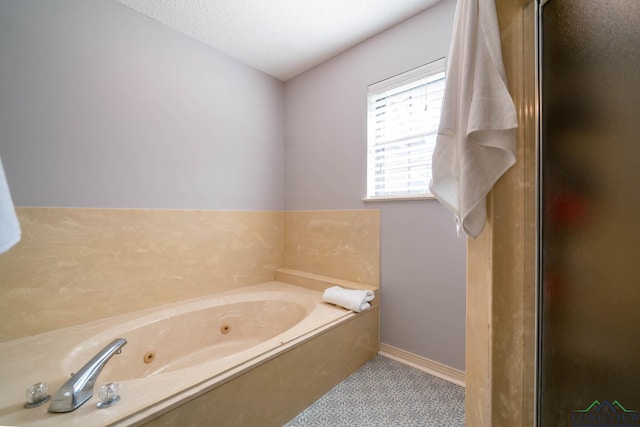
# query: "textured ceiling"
x,y
280,37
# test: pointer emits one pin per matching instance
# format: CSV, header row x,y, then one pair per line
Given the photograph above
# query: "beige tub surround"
x,y
341,244
82,277
78,265
193,353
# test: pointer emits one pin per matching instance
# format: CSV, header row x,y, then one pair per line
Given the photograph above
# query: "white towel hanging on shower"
x,y
9,225
476,136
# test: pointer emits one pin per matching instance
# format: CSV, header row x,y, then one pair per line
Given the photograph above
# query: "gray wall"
x,y
101,106
422,259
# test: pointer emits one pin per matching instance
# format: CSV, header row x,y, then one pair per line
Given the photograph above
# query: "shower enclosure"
x,y
589,213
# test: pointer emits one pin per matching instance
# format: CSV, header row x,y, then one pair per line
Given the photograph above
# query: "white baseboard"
x,y
432,367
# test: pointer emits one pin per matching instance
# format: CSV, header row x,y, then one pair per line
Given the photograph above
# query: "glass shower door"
x,y
589,240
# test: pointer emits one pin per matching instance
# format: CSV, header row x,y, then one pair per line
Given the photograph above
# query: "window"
x,y
403,118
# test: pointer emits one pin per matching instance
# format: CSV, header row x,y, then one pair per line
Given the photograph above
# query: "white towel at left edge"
x,y
9,225
352,299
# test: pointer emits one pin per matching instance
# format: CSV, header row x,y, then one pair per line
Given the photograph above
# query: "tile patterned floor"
x,y
387,393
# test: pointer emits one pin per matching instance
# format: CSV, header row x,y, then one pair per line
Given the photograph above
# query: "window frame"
x,y
423,72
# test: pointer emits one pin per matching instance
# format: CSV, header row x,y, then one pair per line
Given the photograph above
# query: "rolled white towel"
x,y
352,299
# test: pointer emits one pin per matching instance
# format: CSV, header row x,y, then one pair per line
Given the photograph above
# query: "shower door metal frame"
x,y
539,4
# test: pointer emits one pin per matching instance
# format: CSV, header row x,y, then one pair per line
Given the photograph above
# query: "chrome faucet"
x,y
79,388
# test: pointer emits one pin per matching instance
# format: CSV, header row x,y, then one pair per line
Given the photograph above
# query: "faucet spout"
x,y
79,388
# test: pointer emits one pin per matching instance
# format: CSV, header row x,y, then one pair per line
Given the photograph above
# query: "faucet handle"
x,y
109,395
37,394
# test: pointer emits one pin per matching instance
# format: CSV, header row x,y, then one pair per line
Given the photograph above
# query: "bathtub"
x,y
179,354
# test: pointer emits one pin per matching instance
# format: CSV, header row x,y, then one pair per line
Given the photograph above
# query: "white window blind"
x,y
403,117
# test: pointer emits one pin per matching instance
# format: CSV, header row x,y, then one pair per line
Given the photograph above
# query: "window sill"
x,y
397,198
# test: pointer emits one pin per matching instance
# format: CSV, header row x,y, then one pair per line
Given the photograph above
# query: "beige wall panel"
x,y
340,244
77,265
